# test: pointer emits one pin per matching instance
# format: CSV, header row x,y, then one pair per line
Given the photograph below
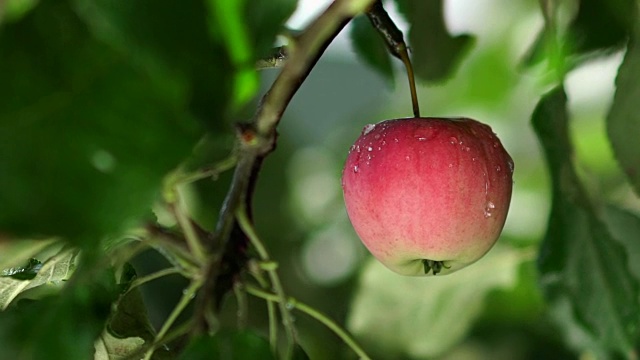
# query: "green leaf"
x,y
53,272
625,228
371,47
109,347
435,52
423,317
13,252
85,136
170,40
248,30
237,345
59,327
598,26
579,256
623,120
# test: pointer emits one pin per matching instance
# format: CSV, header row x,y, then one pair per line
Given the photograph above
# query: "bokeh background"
x,y
492,310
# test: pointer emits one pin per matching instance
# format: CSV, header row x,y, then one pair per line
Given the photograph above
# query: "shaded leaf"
x,y
623,120
238,345
599,26
53,272
625,228
427,315
58,327
85,137
170,40
435,52
371,47
579,257
109,347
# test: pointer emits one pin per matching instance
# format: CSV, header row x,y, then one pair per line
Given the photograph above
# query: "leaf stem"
x,y
186,298
287,320
319,316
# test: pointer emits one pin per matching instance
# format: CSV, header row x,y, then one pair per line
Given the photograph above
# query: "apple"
x,y
427,195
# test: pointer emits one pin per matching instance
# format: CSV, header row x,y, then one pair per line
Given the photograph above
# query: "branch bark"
x,y
255,141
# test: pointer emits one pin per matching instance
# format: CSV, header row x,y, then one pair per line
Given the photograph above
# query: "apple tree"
x,y
178,180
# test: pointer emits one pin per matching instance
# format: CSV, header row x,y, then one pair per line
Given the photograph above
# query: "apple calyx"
x,y
433,265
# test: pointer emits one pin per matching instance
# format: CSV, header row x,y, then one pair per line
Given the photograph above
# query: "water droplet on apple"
x,y
369,148
395,139
466,148
498,168
368,128
473,159
453,140
496,144
355,168
407,157
376,136
489,209
384,142
379,148
450,165
510,163
424,133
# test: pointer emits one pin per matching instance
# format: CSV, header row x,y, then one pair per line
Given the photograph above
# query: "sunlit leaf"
x,y
54,271
58,327
623,121
403,316
371,47
109,347
435,52
85,136
580,260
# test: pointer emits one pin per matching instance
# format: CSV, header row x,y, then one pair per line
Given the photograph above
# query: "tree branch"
x,y
258,138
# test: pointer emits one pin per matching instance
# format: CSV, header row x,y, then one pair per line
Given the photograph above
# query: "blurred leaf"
x,y
371,47
59,327
623,120
54,271
579,256
12,10
237,345
625,228
424,317
15,252
85,137
109,347
598,26
170,40
435,52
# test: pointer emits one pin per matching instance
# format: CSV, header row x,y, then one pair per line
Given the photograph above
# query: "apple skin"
x,y
428,191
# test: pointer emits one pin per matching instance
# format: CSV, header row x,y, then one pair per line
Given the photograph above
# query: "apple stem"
x,y
385,26
433,265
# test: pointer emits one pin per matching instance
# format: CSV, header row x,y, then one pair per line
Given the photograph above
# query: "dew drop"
x,y
407,157
510,163
496,144
353,147
395,139
498,168
473,159
369,148
379,148
489,209
466,148
355,168
384,142
376,136
453,140
368,128
424,133
450,165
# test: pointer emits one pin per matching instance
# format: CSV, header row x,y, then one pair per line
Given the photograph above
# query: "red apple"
x,y
427,195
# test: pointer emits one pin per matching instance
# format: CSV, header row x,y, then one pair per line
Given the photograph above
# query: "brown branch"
x,y
255,141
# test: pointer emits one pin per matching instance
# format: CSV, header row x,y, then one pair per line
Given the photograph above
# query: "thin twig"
x,y
186,298
257,139
322,318
287,320
254,270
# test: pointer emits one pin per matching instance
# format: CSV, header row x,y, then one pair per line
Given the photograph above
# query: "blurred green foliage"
x,y
101,99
